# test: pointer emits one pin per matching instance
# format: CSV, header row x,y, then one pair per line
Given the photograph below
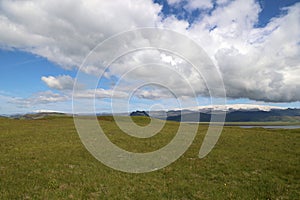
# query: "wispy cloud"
x,y
46,97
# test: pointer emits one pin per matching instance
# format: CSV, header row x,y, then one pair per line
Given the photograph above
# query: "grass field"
x,y
45,159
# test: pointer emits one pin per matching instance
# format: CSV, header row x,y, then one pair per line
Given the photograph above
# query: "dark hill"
x,y
139,113
241,116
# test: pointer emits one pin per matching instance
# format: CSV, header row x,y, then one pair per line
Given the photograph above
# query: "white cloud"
x,y
199,4
65,31
256,63
191,5
173,23
221,2
63,82
99,93
46,97
247,57
173,2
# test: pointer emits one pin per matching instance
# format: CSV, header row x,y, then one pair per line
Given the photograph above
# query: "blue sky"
x,y
37,68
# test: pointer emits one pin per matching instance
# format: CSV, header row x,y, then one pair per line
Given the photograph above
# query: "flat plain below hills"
x,y
45,159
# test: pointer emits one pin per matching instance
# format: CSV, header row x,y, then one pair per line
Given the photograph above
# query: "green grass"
x,y
44,159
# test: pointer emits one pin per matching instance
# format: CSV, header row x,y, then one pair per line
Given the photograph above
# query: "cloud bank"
x,y
45,97
258,63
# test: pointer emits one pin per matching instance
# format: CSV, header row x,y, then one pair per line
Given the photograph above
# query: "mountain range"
x,y
234,113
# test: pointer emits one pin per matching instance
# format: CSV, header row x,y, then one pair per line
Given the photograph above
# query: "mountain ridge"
x,y
234,113
240,116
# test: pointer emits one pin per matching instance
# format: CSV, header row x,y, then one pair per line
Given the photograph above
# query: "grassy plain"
x,y
45,159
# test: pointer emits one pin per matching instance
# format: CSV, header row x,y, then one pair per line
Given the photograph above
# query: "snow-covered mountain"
x,y
203,109
238,113
47,111
236,107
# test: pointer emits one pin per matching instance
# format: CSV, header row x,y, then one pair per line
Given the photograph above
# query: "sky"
x,y
253,44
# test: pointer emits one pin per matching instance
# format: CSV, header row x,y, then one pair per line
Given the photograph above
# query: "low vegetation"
x,y
45,159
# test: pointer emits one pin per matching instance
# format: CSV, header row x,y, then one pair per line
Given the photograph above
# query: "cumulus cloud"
x,y
63,82
199,4
173,2
191,5
258,63
65,32
159,70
